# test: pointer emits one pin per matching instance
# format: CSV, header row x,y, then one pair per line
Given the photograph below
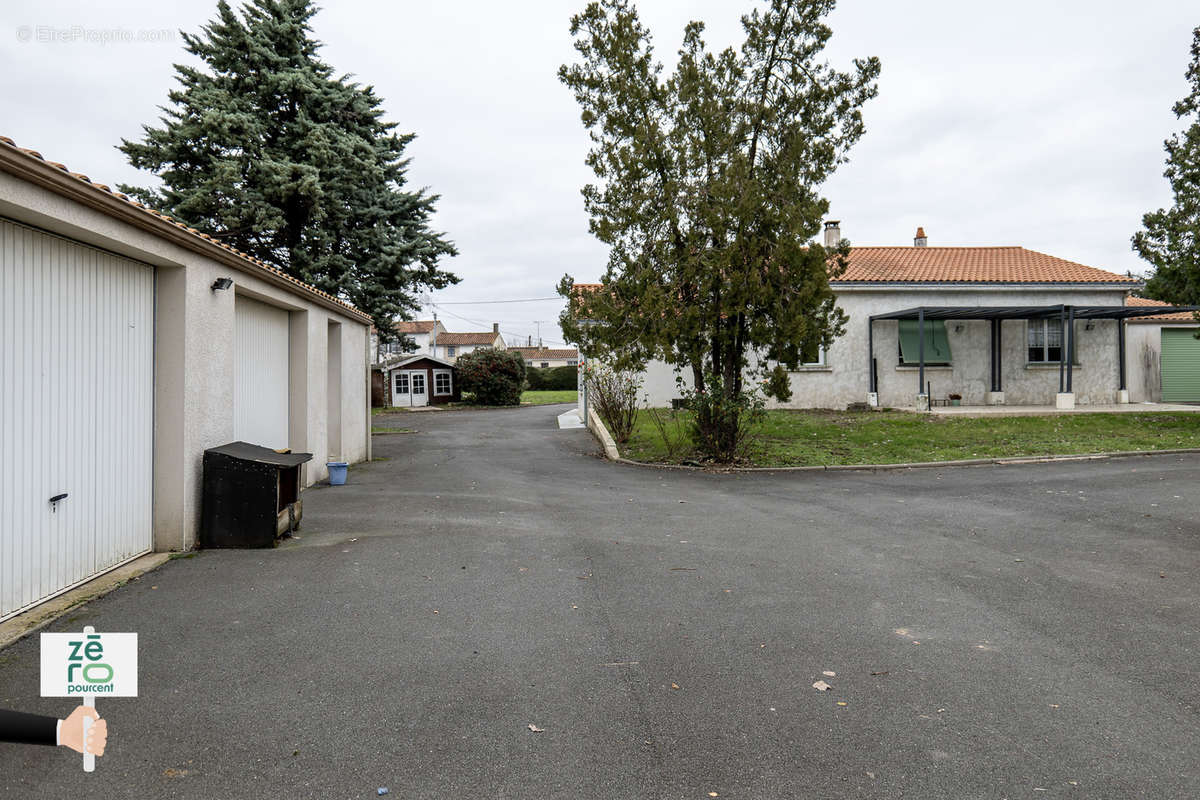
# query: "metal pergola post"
x,y
995,355
871,356
921,350
1062,332
1121,352
1070,344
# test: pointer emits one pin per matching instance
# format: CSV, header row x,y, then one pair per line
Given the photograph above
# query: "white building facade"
x,y
133,344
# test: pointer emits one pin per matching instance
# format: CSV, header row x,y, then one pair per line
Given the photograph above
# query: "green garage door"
x,y
1180,365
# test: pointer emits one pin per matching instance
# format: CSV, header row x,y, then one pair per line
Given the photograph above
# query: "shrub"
x,y
495,377
723,421
614,396
552,378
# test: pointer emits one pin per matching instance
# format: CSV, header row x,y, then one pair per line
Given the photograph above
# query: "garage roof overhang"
x,y
1031,312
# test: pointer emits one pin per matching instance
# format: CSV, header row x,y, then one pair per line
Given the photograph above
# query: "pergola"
x,y
997,314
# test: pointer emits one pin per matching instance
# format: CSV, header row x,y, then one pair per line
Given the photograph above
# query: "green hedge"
x,y
495,377
551,378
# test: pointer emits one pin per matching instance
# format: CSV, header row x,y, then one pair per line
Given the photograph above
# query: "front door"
x,y
420,392
401,389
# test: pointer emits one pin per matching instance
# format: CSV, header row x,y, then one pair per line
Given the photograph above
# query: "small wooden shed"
x,y
422,381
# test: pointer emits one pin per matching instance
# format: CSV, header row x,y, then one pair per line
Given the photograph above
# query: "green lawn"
x,y
547,396
803,438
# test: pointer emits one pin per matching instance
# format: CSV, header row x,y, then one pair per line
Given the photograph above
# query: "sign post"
x,y
86,665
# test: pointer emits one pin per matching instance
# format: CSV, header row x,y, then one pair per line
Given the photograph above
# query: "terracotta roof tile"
x,y
84,179
416,326
1182,316
967,265
534,353
467,338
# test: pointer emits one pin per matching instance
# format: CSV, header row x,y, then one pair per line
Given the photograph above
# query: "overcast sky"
x,y
1020,123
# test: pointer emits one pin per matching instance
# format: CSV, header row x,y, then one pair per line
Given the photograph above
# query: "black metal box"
x,y
251,495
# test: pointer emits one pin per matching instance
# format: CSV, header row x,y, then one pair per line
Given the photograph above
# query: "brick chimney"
x,y
833,233
495,327
920,240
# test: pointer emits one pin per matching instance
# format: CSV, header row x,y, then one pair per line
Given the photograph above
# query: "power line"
x,y
485,324
489,302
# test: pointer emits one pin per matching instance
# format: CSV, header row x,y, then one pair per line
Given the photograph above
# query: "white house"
x,y
993,319
546,357
1164,356
422,332
131,344
452,345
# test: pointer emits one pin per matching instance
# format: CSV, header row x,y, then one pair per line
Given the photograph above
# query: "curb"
x,y
969,462
596,426
16,628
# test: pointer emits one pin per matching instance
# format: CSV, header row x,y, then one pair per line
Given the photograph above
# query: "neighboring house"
x,y
132,343
452,345
546,357
993,320
421,332
421,381
1164,356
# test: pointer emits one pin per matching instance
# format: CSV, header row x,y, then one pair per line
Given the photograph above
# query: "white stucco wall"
x,y
194,354
843,379
1144,370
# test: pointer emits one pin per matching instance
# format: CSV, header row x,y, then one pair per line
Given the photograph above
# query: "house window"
x,y
545,364
451,350
571,362
937,344
441,382
401,383
1045,340
813,356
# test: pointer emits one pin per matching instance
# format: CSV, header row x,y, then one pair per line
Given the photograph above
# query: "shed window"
x,y
937,345
1045,340
441,382
401,383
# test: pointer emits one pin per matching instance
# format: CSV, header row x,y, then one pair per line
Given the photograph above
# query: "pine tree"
x,y
707,192
264,148
1171,238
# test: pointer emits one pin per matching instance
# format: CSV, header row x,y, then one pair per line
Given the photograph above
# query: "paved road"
x,y
994,631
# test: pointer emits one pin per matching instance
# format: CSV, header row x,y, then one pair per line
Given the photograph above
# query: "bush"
x,y
495,377
614,396
552,378
723,419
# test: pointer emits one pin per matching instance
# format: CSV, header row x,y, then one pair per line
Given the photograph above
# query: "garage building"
x,y
129,344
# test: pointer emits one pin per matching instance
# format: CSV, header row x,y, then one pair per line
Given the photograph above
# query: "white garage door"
x,y
76,413
260,389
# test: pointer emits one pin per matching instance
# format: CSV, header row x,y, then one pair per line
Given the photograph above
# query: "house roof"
x,y
968,265
1180,316
545,352
467,338
418,357
32,165
415,326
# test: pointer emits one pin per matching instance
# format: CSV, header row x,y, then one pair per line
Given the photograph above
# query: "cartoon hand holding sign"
x,y
86,665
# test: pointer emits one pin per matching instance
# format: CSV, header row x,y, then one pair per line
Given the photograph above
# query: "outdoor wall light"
x,y
221,284
958,328
1090,326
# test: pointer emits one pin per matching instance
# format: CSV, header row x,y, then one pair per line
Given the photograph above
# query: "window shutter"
x,y
937,343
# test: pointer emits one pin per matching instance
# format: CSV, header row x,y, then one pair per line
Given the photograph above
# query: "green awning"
x,y
937,345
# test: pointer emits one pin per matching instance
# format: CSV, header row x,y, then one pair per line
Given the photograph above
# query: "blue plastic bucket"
x,y
337,472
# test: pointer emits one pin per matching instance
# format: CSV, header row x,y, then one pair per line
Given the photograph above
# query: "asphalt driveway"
x,y
992,632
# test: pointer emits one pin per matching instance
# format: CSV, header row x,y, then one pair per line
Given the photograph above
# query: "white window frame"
x,y
449,374
1031,326
451,350
545,365
820,362
396,376
572,362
